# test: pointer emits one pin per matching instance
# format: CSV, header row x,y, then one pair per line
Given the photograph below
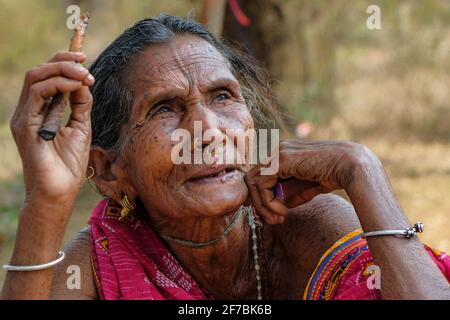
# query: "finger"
x,y
46,89
266,182
56,108
67,69
60,56
265,213
68,56
254,172
81,105
288,163
269,200
53,116
265,185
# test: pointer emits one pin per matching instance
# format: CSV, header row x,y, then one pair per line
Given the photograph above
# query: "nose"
x,y
203,124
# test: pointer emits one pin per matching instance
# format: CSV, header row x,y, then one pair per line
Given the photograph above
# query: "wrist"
x,y
40,232
366,170
62,198
47,214
373,198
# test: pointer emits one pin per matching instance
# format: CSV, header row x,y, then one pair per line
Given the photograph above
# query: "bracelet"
x,y
59,258
405,233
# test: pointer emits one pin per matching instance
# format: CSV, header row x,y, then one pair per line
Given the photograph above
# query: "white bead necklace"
x,y
252,224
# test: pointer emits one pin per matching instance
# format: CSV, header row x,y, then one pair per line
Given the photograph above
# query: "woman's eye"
x,y
162,109
159,108
223,96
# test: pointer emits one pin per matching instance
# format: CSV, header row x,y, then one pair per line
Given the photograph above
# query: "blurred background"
x,y
335,78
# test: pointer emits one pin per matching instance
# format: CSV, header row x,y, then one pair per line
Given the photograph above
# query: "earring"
x,y
91,168
127,207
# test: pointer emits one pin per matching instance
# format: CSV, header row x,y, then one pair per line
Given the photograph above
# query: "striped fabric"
x,y
344,273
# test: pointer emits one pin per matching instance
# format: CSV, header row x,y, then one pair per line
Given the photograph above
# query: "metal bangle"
x,y
405,233
59,258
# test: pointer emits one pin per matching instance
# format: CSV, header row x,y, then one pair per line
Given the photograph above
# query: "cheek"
x,y
237,117
150,159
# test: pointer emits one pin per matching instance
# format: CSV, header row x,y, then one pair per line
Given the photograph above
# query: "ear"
x,y
110,176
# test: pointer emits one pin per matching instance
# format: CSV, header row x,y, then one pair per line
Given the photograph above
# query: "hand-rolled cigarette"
x,y
55,110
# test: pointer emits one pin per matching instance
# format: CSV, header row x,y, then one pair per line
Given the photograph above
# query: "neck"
x,y
226,267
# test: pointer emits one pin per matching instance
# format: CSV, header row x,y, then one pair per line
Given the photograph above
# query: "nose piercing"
x,y
197,144
211,159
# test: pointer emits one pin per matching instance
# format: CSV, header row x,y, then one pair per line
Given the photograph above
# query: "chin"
x,y
214,199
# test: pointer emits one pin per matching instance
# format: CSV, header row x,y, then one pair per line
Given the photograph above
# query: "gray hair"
x,y
113,99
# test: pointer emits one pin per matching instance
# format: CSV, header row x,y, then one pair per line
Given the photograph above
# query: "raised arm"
x,y
310,168
53,170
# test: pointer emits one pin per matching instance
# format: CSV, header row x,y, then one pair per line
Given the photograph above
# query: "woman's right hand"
x,y
54,170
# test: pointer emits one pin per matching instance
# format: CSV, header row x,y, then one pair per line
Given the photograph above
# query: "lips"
x,y
216,171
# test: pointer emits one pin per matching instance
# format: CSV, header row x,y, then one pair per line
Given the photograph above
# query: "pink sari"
x,y
131,262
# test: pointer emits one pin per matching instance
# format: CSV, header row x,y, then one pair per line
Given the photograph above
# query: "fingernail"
x,y
279,193
79,54
90,77
80,67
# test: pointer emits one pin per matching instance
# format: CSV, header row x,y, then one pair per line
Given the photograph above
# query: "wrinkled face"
x,y
173,85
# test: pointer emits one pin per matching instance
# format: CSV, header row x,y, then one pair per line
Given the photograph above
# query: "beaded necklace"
x,y
253,228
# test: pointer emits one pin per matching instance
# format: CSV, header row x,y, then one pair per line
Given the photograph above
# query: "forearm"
x,y
407,271
38,239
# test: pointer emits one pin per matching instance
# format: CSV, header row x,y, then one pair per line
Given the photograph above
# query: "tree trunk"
x,y
266,36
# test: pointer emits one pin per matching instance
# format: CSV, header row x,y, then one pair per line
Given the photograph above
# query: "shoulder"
x,y
310,229
329,214
77,262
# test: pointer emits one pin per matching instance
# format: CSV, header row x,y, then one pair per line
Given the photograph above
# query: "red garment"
x,y
131,262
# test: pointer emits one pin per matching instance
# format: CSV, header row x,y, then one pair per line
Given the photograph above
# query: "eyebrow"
x,y
172,93
223,82
151,99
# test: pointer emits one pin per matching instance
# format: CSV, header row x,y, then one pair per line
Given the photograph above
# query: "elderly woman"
x,y
198,231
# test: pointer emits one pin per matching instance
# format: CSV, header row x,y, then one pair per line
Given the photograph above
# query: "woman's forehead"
x,y
184,58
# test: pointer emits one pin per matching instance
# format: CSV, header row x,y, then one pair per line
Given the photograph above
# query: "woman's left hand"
x,y
306,169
